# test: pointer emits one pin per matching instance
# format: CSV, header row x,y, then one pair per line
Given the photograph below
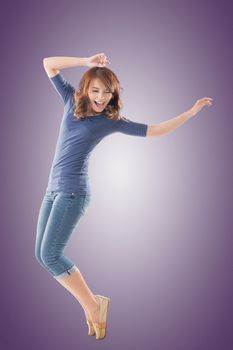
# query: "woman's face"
x,y
99,95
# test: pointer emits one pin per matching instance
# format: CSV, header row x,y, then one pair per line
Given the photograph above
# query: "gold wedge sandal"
x,y
101,326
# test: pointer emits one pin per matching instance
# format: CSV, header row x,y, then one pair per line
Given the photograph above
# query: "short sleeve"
x,y
129,127
62,86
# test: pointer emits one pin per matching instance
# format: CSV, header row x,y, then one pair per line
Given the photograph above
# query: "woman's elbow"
x,y
152,131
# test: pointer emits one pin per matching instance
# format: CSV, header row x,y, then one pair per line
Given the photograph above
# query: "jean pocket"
x,y
70,195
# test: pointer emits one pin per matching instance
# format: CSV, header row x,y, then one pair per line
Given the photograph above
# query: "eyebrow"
x,y
94,87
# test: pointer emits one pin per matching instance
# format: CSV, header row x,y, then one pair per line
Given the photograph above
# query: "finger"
x,y
98,55
104,57
105,62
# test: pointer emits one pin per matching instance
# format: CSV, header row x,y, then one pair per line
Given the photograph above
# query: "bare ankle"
x,y
95,312
95,306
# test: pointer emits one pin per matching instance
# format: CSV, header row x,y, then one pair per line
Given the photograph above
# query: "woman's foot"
x,y
99,316
95,313
92,316
91,330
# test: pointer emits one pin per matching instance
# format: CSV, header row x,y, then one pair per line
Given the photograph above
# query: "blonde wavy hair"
x,y
110,80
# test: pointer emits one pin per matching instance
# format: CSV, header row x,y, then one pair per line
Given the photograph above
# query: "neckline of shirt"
x,y
94,116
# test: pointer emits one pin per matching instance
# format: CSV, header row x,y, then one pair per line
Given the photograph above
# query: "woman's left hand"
x,y
205,101
98,60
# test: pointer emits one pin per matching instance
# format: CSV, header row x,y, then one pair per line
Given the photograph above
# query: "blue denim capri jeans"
x,y
59,213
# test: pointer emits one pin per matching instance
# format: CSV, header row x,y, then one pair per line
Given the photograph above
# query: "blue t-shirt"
x,y
77,139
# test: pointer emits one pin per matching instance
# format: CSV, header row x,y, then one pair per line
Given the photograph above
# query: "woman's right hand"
x,y
98,60
202,102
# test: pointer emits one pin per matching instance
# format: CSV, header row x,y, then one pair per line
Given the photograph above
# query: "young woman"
x,y
90,113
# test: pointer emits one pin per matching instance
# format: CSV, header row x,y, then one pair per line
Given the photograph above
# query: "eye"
x,y
108,92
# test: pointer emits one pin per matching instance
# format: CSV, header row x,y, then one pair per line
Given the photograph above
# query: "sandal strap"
x,y
100,325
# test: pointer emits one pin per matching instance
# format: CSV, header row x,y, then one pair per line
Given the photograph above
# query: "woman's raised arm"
x,y
53,64
171,124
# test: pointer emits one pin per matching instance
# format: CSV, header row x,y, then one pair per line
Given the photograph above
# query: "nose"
x,y
100,98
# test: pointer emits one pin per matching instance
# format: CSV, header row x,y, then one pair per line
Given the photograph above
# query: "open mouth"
x,y
99,105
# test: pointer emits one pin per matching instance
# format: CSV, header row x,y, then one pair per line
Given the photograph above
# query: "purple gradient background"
x,y
157,237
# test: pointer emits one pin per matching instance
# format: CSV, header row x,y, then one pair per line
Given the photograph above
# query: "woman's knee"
x,y
38,257
45,261
41,255
49,258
